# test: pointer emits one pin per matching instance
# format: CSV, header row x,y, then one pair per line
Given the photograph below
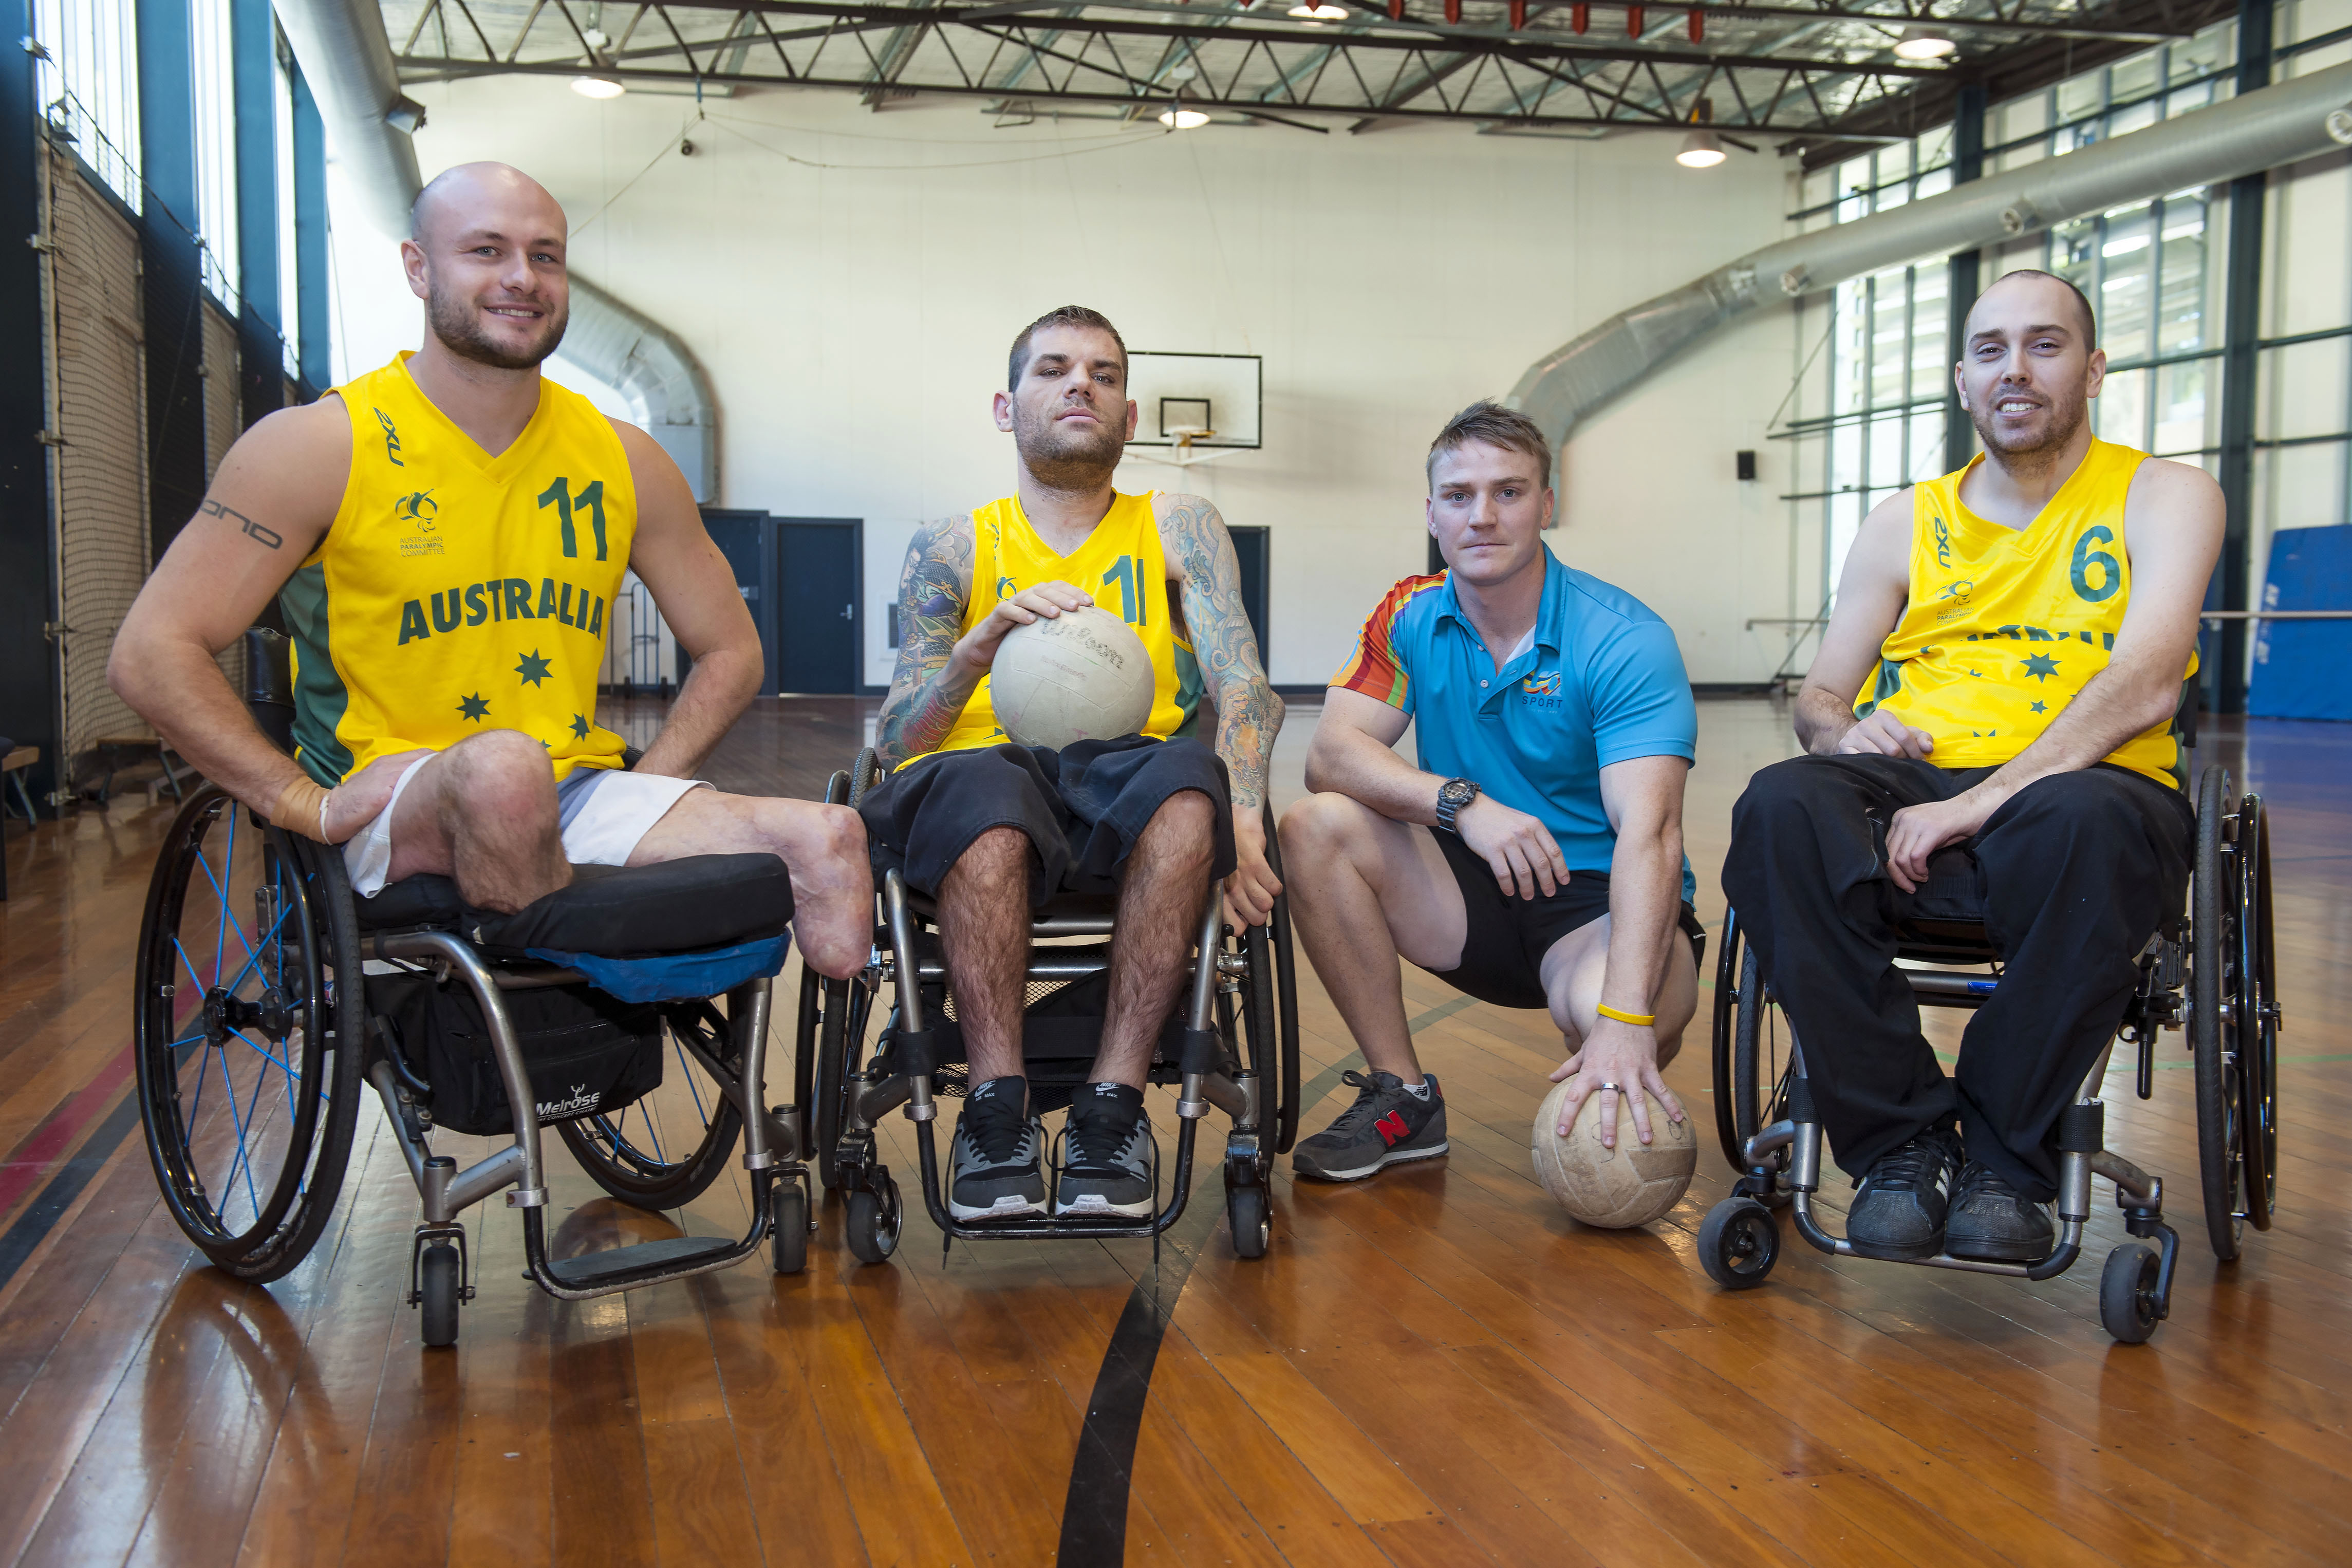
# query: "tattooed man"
x,y
992,829
444,535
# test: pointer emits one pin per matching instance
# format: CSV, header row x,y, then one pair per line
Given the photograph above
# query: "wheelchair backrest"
x,y
270,684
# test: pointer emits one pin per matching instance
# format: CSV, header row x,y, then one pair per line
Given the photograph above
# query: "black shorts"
x,y
1082,807
1503,946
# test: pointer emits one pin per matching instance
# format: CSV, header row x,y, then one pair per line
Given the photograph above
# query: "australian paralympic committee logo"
x,y
418,510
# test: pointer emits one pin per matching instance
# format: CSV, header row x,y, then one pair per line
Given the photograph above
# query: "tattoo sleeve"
x,y
934,587
1249,715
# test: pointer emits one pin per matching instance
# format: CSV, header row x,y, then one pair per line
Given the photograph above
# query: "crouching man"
x,y
1534,858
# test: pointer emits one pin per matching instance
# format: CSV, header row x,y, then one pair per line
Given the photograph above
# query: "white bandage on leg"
x,y
367,854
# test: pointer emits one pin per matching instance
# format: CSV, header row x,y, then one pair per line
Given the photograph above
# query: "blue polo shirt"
x,y
1603,682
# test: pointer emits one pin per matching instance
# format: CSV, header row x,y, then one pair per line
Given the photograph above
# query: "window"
x,y
213,62
86,74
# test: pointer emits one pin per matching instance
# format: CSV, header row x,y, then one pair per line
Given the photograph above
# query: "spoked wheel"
x,y
1281,963
2216,951
840,1052
1751,1053
2254,1004
664,1150
248,988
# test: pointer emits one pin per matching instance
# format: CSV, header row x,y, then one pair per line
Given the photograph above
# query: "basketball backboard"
x,y
1195,401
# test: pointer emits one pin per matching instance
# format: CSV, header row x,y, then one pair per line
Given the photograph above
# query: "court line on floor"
x,y
1094,1509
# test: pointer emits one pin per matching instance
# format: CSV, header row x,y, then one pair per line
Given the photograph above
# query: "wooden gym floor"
x,y
1434,1367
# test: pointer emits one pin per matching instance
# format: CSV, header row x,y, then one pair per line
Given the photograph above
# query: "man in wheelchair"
x,y
2014,760
993,830
444,536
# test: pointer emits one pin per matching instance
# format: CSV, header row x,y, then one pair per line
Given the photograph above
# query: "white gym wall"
x,y
855,320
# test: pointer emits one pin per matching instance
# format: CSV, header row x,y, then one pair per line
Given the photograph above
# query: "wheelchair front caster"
x,y
1250,1220
1738,1243
2127,1285
873,1220
788,1245
438,1286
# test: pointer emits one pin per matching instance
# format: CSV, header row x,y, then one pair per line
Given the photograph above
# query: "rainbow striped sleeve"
x,y
1374,668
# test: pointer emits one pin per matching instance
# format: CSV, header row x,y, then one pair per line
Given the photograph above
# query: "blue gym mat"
x,y
2303,669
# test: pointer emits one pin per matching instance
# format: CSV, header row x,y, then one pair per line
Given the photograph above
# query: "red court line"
x,y
29,1161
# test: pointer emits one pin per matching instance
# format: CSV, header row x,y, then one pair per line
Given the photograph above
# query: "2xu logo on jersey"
x,y
501,599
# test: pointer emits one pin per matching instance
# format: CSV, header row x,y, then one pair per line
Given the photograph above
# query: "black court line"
x,y
1094,1511
41,1216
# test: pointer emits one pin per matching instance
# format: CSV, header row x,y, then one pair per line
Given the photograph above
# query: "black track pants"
x,y
2073,875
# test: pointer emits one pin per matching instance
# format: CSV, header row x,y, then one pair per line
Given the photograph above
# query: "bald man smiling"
x,y
446,536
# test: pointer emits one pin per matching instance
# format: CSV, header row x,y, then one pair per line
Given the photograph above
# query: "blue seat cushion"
x,y
692,905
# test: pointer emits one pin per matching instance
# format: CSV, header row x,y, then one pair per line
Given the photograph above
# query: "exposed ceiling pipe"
x,y
2257,131
347,61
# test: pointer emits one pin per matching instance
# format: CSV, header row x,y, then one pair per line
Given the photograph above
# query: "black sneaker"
x,y
995,1172
1899,1211
1992,1220
1387,1124
1106,1155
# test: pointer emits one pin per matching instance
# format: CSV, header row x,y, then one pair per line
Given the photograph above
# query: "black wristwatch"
x,y
1452,796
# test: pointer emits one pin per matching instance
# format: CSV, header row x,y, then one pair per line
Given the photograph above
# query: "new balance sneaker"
x,y
1990,1219
1387,1124
1899,1210
995,1169
1106,1154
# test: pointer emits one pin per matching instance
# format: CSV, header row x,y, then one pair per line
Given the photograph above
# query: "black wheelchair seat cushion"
x,y
691,905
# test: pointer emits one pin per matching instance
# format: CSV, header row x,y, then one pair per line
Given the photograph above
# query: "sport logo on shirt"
x,y
1544,683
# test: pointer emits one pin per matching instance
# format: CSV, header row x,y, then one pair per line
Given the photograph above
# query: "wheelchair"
x,y
1231,1042
2213,969
269,994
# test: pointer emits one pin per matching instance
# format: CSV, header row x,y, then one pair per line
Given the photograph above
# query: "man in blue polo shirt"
x,y
1535,858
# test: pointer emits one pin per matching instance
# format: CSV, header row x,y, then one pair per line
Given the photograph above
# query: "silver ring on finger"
x,y
1617,1087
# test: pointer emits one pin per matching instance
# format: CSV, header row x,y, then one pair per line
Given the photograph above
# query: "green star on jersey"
x,y
580,725
2041,707
533,669
474,708
2041,666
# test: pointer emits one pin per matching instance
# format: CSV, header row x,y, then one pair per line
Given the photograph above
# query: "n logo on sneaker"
x,y
1391,1127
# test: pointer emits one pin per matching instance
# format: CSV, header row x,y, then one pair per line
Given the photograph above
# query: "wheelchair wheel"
x,y
2256,1009
1284,1034
1738,1243
872,1222
438,1284
246,986
1751,1049
1251,1219
2127,1293
663,1152
840,1051
2220,945
788,1249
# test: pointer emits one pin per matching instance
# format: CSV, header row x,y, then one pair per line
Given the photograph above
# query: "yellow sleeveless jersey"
x,y
2004,625
457,592
1121,564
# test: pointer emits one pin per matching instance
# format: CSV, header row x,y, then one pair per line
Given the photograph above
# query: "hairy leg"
x,y
823,846
1576,964
1160,907
483,811
1367,891
984,926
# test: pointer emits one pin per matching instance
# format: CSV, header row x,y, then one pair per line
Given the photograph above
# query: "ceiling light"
x,y
1700,149
1319,11
597,86
1923,44
1182,118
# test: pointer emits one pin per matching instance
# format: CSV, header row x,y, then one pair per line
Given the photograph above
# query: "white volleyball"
x,y
1631,1185
1079,675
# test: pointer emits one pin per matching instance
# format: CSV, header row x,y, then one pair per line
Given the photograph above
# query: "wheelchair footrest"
x,y
643,1260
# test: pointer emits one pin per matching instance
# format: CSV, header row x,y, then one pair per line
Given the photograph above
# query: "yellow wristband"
x,y
302,810
1642,1020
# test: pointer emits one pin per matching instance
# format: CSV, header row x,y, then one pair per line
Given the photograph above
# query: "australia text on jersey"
x,y
502,599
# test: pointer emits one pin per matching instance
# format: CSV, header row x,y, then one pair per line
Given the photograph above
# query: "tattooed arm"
x,y
940,664
1249,715
269,505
